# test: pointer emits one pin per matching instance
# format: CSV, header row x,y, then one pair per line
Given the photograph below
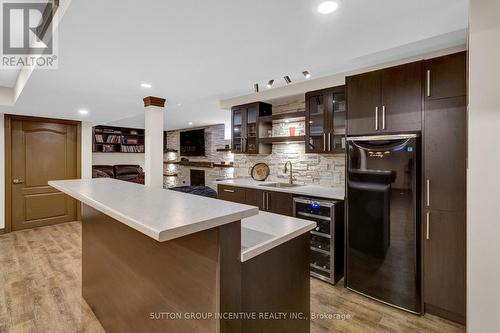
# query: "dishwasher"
x,y
327,239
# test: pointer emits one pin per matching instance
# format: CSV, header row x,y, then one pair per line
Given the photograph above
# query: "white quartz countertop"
x,y
261,233
160,214
336,193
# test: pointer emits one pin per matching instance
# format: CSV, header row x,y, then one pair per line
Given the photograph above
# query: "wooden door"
x,y
446,76
401,106
445,150
363,103
41,151
316,121
280,203
445,265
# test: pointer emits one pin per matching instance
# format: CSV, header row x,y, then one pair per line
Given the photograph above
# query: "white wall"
x,y
118,158
2,172
86,150
483,193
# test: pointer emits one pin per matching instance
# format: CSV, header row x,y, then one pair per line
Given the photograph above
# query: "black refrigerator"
x,y
383,219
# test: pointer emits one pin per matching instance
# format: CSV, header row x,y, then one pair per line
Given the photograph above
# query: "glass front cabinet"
x,y
245,127
325,121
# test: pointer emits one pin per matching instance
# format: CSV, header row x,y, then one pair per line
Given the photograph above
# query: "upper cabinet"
x,y
445,77
325,120
385,101
245,126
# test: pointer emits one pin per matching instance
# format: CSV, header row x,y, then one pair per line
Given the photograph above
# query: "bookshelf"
x,y
109,139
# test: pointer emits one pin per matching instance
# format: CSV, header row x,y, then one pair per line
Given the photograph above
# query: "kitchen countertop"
x,y
160,214
336,193
265,231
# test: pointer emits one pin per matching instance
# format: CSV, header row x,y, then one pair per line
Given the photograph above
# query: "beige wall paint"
x,y
483,194
2,172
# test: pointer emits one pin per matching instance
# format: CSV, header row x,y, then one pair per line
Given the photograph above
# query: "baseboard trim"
x,y
2,231
437,311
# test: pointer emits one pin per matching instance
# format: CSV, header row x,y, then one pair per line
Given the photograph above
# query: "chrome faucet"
x,y
285,170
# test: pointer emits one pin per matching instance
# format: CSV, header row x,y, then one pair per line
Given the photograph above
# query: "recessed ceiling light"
x,y
270,84
83,112
190,123
179,104
146,85
306,74
287,79
328,7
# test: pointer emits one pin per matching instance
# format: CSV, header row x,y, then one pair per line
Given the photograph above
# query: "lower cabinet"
x,y
231,193
269,201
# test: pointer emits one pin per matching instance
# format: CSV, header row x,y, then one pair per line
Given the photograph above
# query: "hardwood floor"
x,y
40,291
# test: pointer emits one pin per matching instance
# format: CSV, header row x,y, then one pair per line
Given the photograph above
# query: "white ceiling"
x,y
198,52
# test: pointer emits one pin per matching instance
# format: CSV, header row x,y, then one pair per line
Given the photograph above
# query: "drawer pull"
x,y
230,191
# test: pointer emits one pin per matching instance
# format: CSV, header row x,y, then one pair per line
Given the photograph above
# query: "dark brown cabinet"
x,y
385,101
245,126
231,193
445,77
444,189
279,203
269,201
325,120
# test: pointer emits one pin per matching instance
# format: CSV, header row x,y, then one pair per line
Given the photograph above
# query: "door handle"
x,y
383,117
17,181
427,226
428,192
376,118
428,83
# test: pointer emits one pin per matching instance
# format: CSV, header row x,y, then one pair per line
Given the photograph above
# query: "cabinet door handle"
x,y
230,191
383,117
428,193
330,142
428,83
324,141
376,118
427,226
267,200
264,200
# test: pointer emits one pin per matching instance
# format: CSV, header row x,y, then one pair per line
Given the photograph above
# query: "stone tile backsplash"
x,y
324,170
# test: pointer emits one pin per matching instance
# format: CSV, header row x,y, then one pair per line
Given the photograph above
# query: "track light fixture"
x,y
287,79
270,84
306,74
256,87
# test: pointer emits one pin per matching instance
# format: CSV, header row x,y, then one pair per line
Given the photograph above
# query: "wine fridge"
x,y
327,239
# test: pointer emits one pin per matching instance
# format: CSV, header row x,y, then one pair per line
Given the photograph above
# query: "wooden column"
x,y
153,162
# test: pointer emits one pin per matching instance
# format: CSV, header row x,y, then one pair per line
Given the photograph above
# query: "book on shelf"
x,y
133,149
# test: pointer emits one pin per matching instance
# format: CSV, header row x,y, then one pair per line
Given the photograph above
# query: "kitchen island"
x,y
162,261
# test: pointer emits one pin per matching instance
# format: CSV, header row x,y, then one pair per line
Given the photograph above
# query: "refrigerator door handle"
x,y
428,193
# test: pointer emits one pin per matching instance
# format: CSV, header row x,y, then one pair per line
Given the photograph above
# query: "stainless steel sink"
x,y
280,185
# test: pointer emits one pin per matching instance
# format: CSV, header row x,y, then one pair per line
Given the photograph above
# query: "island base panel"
x,y
131,280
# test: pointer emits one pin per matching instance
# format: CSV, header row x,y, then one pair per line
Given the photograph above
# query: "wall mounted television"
x,y
192,143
